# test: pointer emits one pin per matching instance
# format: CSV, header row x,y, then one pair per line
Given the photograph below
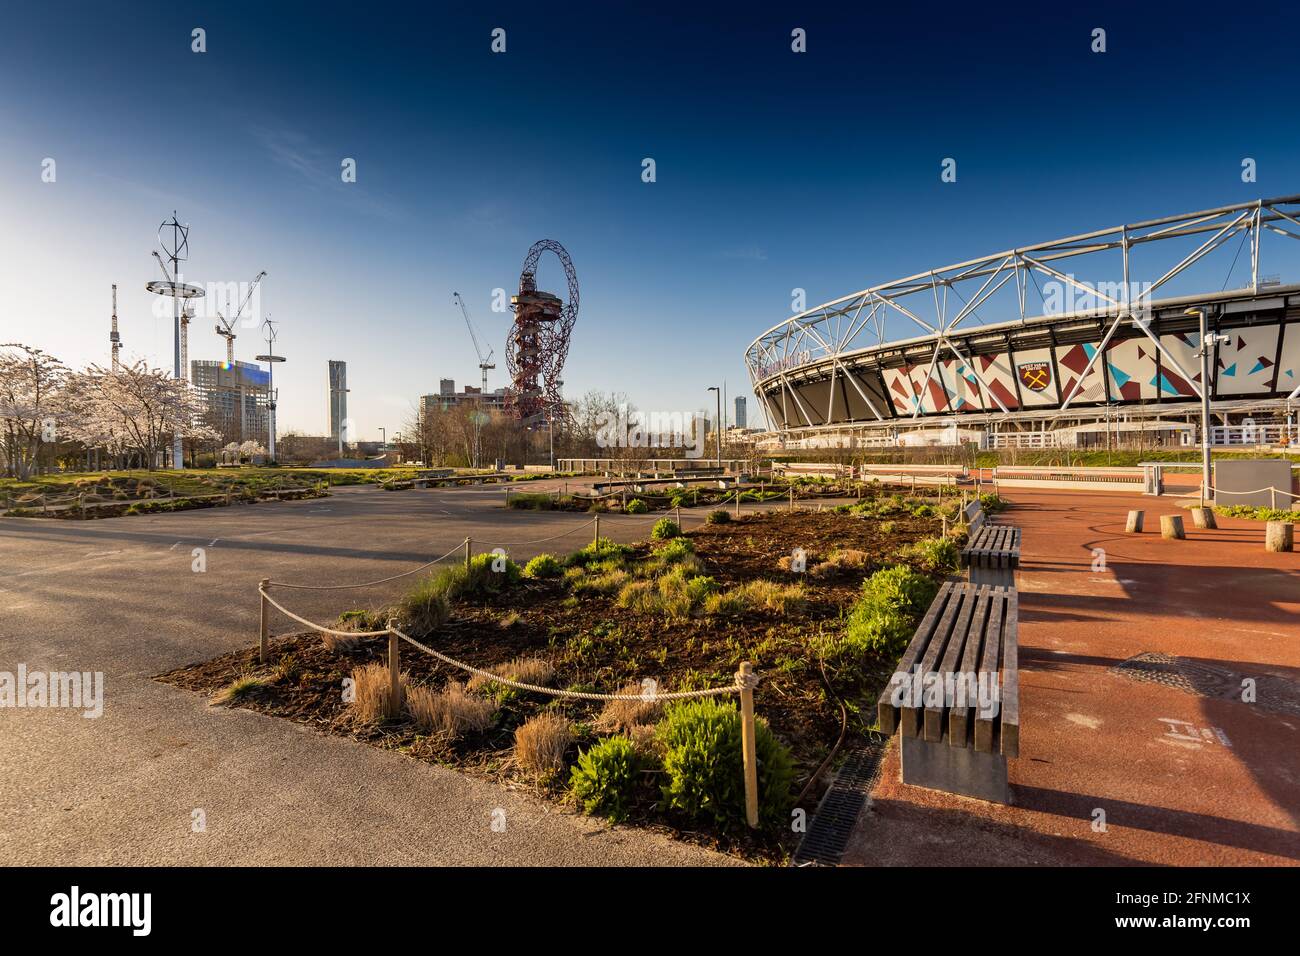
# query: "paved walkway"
x,y
1181,777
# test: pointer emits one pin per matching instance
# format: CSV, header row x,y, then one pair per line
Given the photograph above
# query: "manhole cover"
x,y
1273,694
837,814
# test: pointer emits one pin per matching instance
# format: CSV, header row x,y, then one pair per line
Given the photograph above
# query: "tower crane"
x,y
484,364
226,327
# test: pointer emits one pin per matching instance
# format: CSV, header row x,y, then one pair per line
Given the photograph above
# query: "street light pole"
x,y
1207,343
717,422
383,437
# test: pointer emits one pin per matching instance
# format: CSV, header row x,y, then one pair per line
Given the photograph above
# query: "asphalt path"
x,y
124,596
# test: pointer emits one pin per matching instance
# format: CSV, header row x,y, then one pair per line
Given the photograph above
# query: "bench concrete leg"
x,y
997,577
963,770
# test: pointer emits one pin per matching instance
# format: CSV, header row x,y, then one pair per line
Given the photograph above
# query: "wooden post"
x,y
596,536
394,675
679,517
1272,497
1203,518
467,552
1134,523
737,500
1279,536
749,745
1171,527
264,622
792,497
507,494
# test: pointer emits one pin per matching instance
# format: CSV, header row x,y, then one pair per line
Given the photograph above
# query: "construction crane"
x,y
484,364
113,337
226,327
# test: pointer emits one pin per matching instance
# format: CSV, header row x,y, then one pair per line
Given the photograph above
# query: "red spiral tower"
x,y
539,340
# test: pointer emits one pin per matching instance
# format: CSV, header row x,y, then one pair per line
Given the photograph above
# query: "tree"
x,y
31,405
133,408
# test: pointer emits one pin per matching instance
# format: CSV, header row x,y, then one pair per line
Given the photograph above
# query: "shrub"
x,y
606,778
841,562
636,507
287,670
623,715
721,516
543,566
758,595
937,555
678,549
449,713
884,617
704,769
427,606
245,685
531,501
639,596
678,501
600,582
370,691
992,503
540,744
602,549
664,529
525,670
457,581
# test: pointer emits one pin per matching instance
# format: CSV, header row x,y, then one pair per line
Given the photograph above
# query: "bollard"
x,y
749,746
1203,518
467,552
394,702
1134,525
1171,527
1279,536
263,626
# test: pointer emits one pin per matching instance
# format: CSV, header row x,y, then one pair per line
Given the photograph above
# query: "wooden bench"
x,y
955,695
992,553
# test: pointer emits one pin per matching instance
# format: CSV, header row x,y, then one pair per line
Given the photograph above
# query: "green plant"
x,y
599,550
936,555
245,685
425,607
543,566
664,529
636,507
704,770
882,620
532,501
606,777
992,503
721,516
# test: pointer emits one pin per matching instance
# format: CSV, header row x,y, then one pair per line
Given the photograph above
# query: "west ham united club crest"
x,y
1035,376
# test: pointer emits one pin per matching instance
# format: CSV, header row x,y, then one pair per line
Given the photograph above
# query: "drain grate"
x,y
1273,694
828,836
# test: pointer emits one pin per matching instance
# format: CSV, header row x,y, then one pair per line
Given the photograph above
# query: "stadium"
x,y
1090,340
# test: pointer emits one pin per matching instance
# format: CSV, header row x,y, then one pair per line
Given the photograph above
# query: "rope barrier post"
x,y
467,552
596,536
792,497
1272,497
264,620
738,501
394,702
678,509
745,680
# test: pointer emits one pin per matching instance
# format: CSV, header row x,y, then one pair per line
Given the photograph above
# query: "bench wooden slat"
x,y
886,712
938,642
951,655
1011,678
989,663
959,717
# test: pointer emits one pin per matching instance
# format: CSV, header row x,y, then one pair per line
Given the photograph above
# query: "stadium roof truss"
x,y
943,304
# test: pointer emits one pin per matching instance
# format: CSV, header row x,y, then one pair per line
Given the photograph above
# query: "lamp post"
x,y
1208,342
383,438
717,422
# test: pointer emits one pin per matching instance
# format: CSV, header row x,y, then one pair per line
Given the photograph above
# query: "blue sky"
x,y
775,170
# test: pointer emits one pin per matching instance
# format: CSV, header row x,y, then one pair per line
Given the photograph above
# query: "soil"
x,y
595,645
